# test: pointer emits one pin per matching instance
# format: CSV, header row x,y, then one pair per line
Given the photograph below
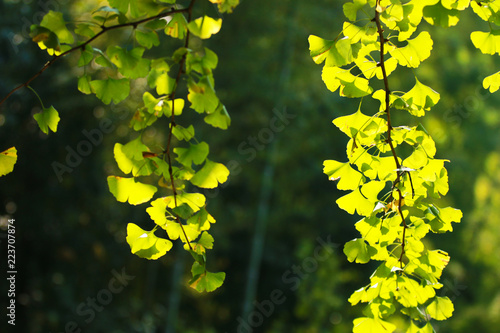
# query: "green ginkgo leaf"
x,y
47,119
8,159
196,153
440,308
358,250
417,50
54,22
492,82
204,280
372,325
439,15
108,90
146,244
348,178
129,158
415,329
211,175
420,98
486,42
350,85
177,26
335,53
128,190
362,200
219,118
204,27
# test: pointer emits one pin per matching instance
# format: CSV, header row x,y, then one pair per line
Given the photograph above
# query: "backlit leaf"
x,y
8,159
47,119
204,27
128,190
349,179
440,308
358,250
372,325
487,42
417,50
108,90
211,175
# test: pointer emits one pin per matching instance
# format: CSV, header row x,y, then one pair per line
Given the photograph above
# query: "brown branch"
x,y
104,29
182,63
389,127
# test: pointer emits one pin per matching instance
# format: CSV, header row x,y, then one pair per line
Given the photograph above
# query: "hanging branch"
x,y
104,29
399,172
182,63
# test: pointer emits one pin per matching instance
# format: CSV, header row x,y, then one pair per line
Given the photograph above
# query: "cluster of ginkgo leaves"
x,y
392,173
176,169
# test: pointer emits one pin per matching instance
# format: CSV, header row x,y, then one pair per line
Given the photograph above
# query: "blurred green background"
x,y
70,235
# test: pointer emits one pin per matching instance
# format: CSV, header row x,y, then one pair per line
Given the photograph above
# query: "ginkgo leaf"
x,y
47,119
420,98
359,122
226,6
358,250
108,90
202,96
8,159
440,308
84,84
350,85
182,133
204,27
177,26
439,15
349,179
148,39
410,293
129,158
486,42
211,175
372,325
204,280
54,22
415,329
194,200
492,82
362,200
196,153
219,118
336,53
455,4
351,8
158,209
146,244
440,219
417,50
127,189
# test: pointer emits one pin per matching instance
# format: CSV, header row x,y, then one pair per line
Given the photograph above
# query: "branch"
x,y
82,46
189,10
389,127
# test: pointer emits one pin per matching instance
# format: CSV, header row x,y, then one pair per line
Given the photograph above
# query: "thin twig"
x,y
104,29
172,119
389,127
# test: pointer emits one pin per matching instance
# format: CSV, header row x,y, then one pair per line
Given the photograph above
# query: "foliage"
x,y
392,173
111,75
